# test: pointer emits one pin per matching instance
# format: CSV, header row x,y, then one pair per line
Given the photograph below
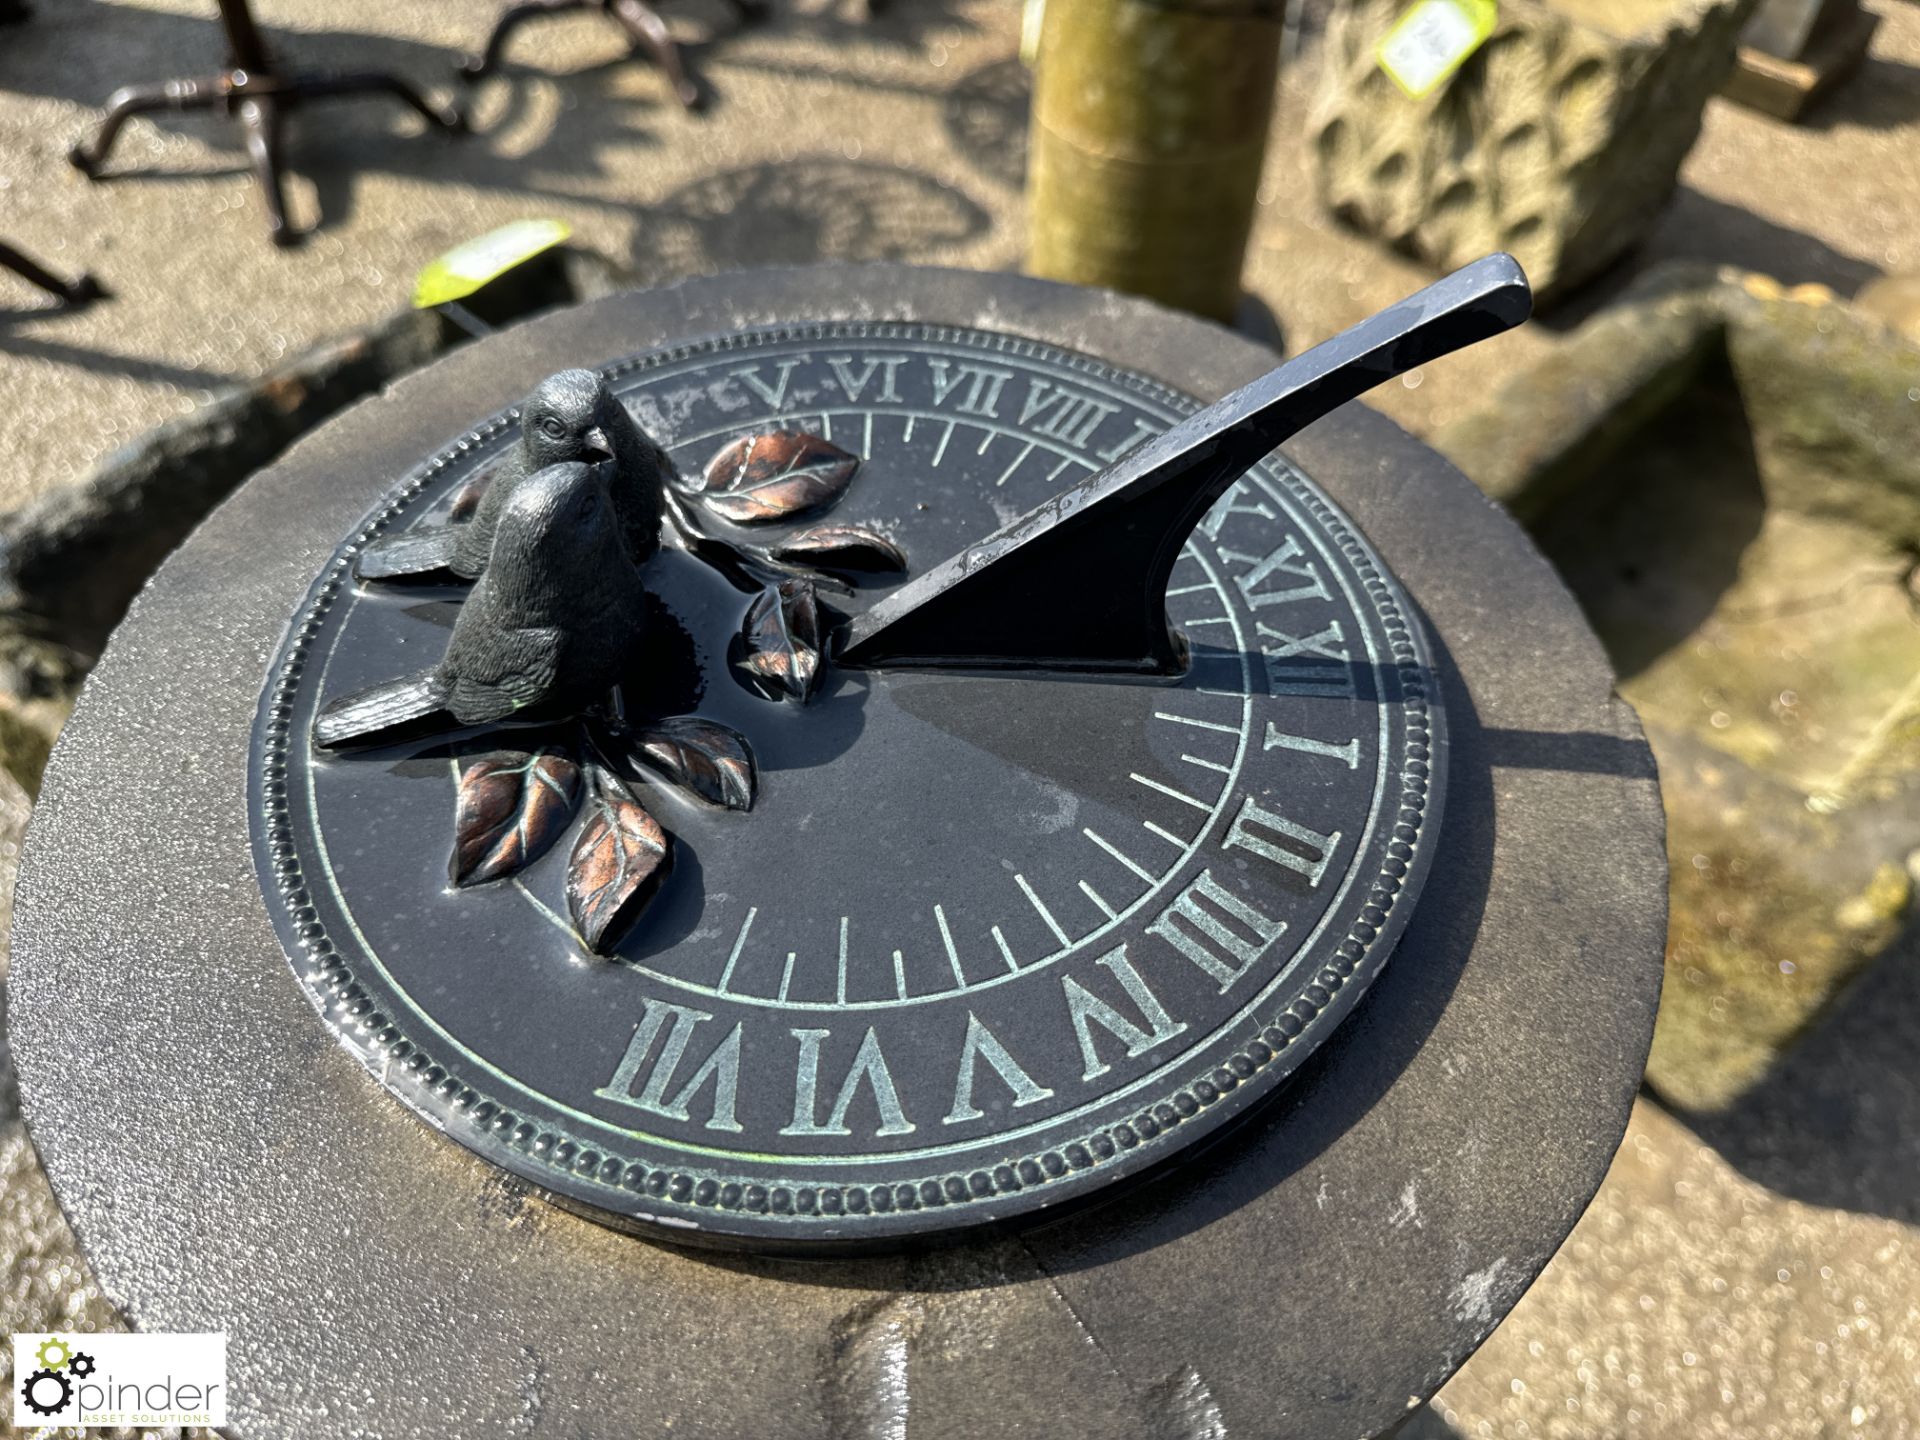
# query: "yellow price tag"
x,y
1031,19
1432,40
472,263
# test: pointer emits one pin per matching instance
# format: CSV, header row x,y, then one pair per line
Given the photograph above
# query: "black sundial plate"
x,y
986,942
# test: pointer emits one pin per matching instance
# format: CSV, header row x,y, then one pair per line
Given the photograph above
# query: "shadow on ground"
x,y
1838,1121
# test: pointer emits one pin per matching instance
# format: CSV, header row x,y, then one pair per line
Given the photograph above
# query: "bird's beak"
x,y
597,447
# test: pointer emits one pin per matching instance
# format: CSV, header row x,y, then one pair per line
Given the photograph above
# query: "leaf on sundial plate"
x,y
708,760
619,859
512,806
466,500
782,635
778,475
842,548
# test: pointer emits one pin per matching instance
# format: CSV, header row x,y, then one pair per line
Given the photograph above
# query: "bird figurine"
x,y
544,634
570,416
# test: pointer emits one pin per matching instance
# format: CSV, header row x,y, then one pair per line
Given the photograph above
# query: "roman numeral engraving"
x,y
1305,851
982,1044
1286,560
1234,502
1278,739
982,385
1142,430
1316,665
1063,414
869,1065
1086,1009
722,1067
775,394
854,383
1209,941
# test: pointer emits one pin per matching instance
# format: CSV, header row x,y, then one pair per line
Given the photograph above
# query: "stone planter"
x,y
1559,140
1727,475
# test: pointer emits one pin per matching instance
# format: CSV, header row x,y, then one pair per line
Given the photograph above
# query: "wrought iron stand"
x,y
253,89
76,293
642,22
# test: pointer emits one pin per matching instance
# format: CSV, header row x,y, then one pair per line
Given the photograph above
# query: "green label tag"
x,y
1432,40
472,263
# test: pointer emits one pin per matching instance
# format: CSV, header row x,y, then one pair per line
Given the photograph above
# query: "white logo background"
x,y
68,1379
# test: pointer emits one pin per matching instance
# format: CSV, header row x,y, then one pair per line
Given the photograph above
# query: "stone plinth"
x,y
1558,140
1794,51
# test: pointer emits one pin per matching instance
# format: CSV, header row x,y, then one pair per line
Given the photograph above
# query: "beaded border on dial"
x,y
349,1008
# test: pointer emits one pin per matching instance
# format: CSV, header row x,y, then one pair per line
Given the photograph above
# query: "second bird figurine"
x,y
570,416
545,633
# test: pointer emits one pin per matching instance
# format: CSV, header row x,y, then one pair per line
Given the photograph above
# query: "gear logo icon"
x,y
81,1366
54,1353
47,1392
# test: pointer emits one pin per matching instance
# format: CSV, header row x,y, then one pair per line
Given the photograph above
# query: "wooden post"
x,y
1150,123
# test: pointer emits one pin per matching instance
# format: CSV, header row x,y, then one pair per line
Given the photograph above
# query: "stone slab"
x,y
1784,88
227,1166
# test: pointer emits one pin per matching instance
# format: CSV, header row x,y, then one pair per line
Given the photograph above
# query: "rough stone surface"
x,y
1774,908
45,1281
1893,300
1834,402
1728,474
1555,427
1558,140
1695,1300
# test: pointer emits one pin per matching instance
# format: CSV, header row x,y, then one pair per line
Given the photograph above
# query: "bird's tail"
x,y
411,555
396,710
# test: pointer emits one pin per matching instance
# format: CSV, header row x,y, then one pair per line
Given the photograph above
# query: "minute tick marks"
x,y
901,1033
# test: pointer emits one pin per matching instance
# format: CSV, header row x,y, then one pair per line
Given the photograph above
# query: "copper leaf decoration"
x,y
782,637
845,548
466,500
709,760
619,859
775,476
512,806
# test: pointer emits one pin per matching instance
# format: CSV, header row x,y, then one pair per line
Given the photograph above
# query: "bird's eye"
x,y
553,428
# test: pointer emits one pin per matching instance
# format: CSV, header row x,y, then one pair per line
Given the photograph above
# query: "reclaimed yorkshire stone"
x,y
1886,768
1727,473
1773,910
1558,140
1558,422
1893,300
1835,404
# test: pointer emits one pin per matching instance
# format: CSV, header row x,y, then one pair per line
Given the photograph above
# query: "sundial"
x,y
856,765
1042,866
